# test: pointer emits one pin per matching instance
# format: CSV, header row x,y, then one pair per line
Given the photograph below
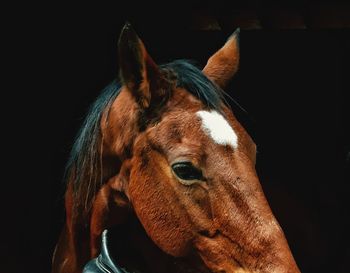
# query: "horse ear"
x,y
224,63
137,69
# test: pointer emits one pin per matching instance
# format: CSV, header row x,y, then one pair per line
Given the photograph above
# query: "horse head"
x,y
170,152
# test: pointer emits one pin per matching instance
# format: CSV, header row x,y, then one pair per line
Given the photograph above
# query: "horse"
x,y
162,158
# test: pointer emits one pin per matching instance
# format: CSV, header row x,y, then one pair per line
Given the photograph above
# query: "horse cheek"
x,y
158,210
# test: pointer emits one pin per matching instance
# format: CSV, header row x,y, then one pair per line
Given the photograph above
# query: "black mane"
x,y
84,165
195,82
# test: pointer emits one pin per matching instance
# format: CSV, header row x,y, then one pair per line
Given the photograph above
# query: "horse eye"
x,y
186,171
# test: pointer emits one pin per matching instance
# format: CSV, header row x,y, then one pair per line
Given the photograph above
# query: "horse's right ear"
x,y
223,64
138,72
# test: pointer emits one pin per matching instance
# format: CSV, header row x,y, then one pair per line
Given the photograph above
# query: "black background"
x,y
291,82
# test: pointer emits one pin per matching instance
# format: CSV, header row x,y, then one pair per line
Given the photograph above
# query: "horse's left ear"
x,y
224,63
138,72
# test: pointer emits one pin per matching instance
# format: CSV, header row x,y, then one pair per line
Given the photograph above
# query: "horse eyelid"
x,y
188,182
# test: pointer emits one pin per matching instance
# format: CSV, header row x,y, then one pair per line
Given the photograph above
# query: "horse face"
x,y
194,188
